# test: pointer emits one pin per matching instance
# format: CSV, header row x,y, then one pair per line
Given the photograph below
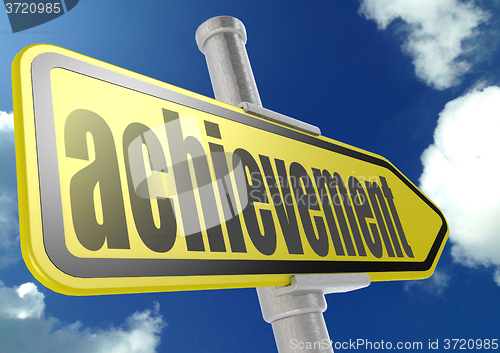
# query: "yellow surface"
x,y
120,107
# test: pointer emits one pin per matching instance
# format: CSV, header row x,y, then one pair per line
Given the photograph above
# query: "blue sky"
x,y
414,81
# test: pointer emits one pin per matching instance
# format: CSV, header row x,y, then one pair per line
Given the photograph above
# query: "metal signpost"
x,y
295,311
128,185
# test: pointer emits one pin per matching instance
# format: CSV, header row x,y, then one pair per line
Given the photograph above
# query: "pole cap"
x,y
216,25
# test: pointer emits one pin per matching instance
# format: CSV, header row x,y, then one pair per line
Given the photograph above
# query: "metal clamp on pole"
x,y
295,311
280,118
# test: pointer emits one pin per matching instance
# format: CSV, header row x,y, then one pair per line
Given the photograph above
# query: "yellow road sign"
x,y
127,184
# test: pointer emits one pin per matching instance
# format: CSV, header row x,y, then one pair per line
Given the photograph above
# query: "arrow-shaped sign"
x,y
127,184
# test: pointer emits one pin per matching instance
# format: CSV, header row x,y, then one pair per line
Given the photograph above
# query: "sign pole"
x,y
295,311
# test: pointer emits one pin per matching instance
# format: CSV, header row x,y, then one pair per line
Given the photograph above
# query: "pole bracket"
x,y
280,118
324,283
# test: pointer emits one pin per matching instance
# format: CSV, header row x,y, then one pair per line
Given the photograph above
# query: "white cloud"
x,y
436,284
24,328
9,223
437,31
21,303
461,171
496,276
6,121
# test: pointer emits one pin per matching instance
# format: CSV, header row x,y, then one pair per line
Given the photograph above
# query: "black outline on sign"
x,y
50,193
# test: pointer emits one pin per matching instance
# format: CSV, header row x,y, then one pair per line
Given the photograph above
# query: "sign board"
x,y
127,184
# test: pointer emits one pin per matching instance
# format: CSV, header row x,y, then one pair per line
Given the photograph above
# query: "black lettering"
x,y
389,197
180,148
157,239
101,173
264,241
309,201
363,211
233,224
322,183
376,199
212,129
344,198
283,205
